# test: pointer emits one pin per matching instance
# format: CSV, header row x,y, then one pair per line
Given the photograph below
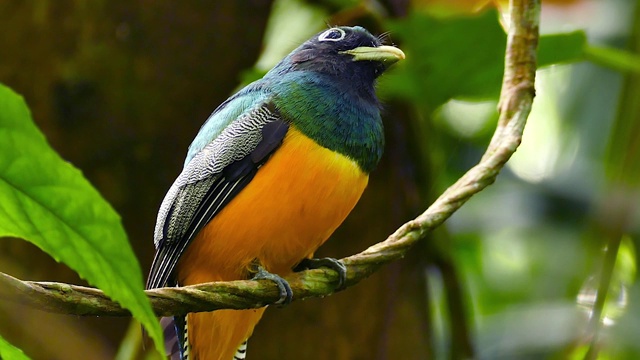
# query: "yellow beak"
x,y
385,54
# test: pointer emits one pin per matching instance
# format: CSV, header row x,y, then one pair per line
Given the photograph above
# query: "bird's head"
x,y
346,52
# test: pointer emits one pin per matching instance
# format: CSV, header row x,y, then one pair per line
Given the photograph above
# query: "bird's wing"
x,y
210,180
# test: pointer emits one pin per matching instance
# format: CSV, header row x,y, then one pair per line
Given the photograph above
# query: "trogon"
x,y
272,173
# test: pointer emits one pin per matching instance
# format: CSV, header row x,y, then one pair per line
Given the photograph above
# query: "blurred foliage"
x,y
457,66
470,66
520,272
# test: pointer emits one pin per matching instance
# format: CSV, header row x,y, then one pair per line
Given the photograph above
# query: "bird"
x,y
273,171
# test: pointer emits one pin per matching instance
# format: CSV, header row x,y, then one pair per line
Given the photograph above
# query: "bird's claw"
x,y
331,263
286,294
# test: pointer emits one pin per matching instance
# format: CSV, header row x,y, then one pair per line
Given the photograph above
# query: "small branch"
x,y
515,104
595,321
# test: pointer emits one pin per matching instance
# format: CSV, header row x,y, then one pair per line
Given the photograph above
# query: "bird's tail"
x,y
241,353
175,337
219,335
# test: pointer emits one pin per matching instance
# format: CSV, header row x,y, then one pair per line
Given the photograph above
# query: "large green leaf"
x,y
463,56
47,201
10,352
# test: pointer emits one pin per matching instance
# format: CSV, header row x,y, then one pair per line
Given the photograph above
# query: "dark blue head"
x,y
351,54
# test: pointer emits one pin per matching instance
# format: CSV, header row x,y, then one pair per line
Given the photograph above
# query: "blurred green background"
x,y
121,87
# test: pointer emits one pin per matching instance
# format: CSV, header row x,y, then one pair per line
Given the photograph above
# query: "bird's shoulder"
x,y
250,98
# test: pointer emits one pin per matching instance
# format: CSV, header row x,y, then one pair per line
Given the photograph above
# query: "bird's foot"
x,y
331,263
286,295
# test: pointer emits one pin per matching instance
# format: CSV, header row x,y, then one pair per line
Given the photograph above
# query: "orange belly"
x,y
292,205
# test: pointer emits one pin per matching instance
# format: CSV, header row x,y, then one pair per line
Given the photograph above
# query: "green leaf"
x,y
449,57
47,201
10,352
616,59
462,57
561,48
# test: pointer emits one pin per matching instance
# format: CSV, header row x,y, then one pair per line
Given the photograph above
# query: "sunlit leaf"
x,y
45,200
8,351
626,262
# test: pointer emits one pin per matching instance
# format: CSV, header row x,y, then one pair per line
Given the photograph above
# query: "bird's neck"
x,y
339,115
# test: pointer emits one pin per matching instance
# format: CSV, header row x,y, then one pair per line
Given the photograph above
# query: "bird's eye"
x,y
335,34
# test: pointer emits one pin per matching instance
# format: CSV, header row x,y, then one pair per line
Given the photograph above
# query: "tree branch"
x,y
515,104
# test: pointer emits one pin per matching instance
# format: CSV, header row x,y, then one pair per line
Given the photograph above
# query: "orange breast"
x,y
293,204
